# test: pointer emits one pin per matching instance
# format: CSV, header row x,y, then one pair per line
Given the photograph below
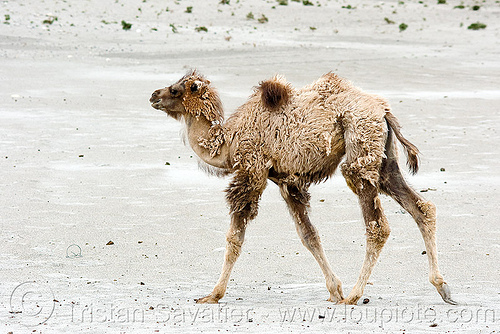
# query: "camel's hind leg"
x,y
377,233
365,138
424,213
298,202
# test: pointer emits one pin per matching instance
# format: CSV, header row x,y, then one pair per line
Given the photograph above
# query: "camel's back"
x,y
306,134
342,97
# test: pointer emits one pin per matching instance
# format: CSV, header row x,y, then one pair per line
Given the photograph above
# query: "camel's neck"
x,y
212,149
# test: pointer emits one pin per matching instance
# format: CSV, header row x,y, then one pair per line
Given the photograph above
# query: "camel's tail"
x,y
411,150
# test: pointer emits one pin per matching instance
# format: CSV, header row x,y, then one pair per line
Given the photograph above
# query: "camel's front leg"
x,y
377,232
297,201
243,196
235,236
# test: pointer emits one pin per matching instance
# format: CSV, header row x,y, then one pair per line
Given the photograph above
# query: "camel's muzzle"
x,y
155,100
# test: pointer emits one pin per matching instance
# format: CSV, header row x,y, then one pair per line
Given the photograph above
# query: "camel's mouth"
x,y
156,99
156,104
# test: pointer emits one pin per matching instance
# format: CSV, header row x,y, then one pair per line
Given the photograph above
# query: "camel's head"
x,y
191,95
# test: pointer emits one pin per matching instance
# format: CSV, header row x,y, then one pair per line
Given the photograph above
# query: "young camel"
x,y
295,138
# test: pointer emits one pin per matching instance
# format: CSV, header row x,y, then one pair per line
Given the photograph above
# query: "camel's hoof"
x,y
349,301
450,301
335,300
207,300
445,293
335,289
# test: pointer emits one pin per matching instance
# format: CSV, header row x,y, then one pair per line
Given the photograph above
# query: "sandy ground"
x,y
85,160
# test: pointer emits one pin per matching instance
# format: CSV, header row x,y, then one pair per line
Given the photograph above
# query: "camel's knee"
x,y
233,250
428,210
361,172
234,242
377,232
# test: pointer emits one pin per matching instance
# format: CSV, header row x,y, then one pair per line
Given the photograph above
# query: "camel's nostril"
x,y
154,95
154,98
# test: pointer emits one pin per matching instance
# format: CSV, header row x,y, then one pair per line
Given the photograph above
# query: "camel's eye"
x,y
195,86
174,92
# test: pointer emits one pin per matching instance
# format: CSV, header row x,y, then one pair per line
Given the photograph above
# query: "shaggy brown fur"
x,y
274,94
297,137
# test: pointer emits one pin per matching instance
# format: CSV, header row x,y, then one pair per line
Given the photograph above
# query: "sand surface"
x,y
85,160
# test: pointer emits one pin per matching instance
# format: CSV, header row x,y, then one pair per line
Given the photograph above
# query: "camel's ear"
x,y
274,93
196,86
